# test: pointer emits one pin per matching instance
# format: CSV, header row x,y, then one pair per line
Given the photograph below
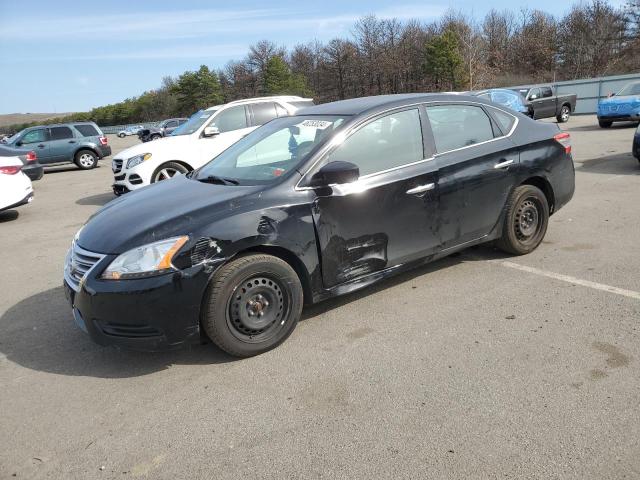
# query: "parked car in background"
x,y
15,186
544,102
133,130
507,98
204,136
30,165
82,143
623,106
636,144
165,128
308,207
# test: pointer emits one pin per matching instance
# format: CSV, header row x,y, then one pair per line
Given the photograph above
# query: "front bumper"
x,y
151,314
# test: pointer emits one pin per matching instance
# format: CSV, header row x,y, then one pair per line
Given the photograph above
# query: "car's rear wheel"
x,y
565,113
155,136
168,170
526,220
604,123
252,305
86,159
121,135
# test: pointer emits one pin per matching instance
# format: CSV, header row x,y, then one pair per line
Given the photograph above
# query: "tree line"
x,y
385,56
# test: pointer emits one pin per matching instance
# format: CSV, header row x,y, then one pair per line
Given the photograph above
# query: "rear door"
x,y
62,144
476,162
36,140
537,103
389,216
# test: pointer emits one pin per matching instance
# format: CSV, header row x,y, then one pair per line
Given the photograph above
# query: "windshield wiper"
x,y
218,180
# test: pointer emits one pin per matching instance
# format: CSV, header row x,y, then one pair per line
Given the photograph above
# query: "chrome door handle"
x,y
506,163
421,189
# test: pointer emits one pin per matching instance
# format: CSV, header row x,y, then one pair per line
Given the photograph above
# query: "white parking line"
x,y
572,280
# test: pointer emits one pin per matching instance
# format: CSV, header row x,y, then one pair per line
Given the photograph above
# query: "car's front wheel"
x,y
86,159
526,220
155,136
168,170
252,305
604,123
121,135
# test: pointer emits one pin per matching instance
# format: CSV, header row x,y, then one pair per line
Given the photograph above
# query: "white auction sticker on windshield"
x,y
321,124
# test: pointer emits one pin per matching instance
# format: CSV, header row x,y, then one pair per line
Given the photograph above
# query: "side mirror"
x,y
18,144
210,131
335,173
611,94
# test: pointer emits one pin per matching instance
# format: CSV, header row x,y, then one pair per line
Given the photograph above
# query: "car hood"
x,y
620,100
166,146
167,209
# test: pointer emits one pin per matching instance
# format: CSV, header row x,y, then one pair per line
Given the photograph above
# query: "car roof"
x,y
282,98
357,106
49,125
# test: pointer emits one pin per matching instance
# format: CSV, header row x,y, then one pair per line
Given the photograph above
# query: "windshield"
x,y
631,89
194,123
272,150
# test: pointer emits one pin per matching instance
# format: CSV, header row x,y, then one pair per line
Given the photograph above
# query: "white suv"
x,y
206,134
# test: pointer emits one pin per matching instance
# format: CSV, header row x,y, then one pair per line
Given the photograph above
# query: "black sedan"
x,y
308,207
636,144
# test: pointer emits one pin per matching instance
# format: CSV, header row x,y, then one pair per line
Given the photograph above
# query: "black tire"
x,y
525,222
168,170
252,305
155,136
85,159
604,123
121,135
565,113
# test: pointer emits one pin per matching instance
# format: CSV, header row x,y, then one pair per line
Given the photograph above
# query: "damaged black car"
x,y
309,207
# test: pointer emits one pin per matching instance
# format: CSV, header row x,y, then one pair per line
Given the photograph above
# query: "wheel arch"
x,y
544,185
567,104
292,260
86,147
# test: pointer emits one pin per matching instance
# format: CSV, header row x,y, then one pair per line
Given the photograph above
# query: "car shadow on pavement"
x,y
9,216
99,200
618,164
71,167
38,333
595,127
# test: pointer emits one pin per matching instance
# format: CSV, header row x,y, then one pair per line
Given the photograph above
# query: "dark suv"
x,y
82,143
164,129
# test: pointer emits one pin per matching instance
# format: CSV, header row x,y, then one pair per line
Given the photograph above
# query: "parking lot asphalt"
x,y
477,366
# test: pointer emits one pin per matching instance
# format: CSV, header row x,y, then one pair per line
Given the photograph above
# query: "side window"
x,y
505,120
34,136
457,126
60,133
230,119
534,94
87,130
546,92
387,142
263,112
170,124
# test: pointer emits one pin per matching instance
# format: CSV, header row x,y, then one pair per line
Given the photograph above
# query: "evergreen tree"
x,y
278,79
197,90
443,60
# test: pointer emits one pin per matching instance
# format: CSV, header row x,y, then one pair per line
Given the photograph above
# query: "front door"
x,y
233,124
389,216
36,140
475,160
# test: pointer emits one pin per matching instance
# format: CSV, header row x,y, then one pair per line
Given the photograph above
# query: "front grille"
x,y
79,262
130,331
119,178
116,165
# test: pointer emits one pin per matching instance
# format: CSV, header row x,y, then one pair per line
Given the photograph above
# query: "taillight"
x,y
103,140
31,156
564,139
12,170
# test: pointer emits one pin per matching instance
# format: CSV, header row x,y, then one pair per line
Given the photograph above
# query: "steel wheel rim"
x,y
564,114
257,310
86,160
167,173
528,221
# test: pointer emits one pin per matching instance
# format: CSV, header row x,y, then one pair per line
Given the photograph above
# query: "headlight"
x,y
138,159
151,259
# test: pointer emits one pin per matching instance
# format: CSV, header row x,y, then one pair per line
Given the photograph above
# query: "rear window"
x,y
458,126
87,130
505,120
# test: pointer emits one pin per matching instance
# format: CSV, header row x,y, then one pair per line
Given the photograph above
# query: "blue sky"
x,y
61,56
